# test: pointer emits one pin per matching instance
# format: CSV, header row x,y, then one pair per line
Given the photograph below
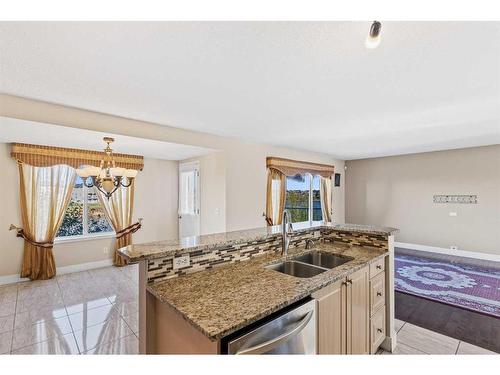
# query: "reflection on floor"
x,y
90,312
96,312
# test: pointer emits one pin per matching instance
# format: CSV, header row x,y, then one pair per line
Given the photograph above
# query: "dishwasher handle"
x,y
277,341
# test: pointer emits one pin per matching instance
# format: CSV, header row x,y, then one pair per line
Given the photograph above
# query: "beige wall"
x,y
397,191
156,202
244,161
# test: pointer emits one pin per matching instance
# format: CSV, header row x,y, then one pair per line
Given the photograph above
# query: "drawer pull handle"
x,y
379,267
379,294
379,330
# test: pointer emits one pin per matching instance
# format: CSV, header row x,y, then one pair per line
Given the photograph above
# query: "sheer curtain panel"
x,y
45,193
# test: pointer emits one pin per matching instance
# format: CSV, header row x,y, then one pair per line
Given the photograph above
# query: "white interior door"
x,y
189,199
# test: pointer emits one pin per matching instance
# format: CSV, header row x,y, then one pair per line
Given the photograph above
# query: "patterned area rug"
x,y
470,287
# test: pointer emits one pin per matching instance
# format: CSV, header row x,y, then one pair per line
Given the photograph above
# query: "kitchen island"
x,y
197,291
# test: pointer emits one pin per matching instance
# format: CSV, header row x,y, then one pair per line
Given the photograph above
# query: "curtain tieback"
x,y
129,230
20,233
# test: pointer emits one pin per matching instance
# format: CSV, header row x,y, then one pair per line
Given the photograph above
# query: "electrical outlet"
x,y
181,262
454,247
105,250
453,214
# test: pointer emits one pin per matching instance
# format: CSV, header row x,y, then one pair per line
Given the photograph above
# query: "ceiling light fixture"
x,y
107,178
373,38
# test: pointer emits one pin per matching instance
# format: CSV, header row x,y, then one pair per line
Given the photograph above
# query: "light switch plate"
x,y
453,214
181,262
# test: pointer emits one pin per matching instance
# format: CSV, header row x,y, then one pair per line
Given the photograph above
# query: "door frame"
x,y
188,166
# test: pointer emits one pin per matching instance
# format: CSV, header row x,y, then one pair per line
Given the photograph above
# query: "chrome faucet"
x,y
286,231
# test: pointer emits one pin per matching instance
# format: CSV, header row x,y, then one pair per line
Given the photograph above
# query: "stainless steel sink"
x,y
296,269
323,259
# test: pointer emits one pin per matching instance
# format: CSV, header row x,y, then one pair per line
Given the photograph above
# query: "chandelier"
x,y
107,178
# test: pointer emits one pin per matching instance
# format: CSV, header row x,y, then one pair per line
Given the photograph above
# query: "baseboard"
x,y
443,250
11,279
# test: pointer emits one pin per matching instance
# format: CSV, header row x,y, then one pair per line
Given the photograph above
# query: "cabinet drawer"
x,y
377,329
377,292
377,267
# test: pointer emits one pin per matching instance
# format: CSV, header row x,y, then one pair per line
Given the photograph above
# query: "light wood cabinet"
x,y
331,318
358,312
343,318
377,292
377,329
377,267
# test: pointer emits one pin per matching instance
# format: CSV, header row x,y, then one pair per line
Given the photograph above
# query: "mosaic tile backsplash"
x,y
162,268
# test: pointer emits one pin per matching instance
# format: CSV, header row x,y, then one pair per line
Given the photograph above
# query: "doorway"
x,y
189,199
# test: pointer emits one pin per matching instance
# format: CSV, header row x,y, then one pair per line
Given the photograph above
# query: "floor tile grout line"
x,y
40,342
402,325
14,322
420,350
107,342
128,325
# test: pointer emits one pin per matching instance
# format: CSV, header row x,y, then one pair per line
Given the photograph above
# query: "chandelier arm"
x,y
112,191
102,191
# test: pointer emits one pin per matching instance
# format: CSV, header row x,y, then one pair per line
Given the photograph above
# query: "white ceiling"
x,y
307,85
14,130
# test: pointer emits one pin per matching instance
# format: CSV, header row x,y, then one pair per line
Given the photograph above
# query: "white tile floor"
x,y
90,312
96,312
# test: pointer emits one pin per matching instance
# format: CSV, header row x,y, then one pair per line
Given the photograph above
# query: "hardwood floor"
x,y
474,328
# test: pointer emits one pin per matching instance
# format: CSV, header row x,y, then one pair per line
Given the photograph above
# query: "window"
x,y
84,216
303,198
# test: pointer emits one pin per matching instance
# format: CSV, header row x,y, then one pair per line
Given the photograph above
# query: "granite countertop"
x,y
183,245
220,301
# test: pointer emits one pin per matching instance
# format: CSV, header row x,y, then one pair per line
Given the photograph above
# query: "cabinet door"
x,y
358,312
331,318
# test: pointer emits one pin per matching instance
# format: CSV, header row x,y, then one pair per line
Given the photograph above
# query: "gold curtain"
x,y
44,196
119,209
325,191
276,196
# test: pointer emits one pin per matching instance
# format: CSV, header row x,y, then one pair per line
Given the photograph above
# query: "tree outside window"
x,y
303,198
85,215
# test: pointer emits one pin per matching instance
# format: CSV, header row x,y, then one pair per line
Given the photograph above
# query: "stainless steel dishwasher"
x,y
291,332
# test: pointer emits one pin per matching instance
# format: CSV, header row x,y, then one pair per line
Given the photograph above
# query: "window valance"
x,y
45,156
293,167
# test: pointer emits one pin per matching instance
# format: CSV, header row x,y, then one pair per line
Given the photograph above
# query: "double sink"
x,y
310,264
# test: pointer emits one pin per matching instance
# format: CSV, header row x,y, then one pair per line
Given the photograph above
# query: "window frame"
x,y
86,235
310,220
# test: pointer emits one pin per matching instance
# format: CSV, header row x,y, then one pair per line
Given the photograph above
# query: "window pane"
x,y
297,197
72,224
97,220
187,201
317,215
